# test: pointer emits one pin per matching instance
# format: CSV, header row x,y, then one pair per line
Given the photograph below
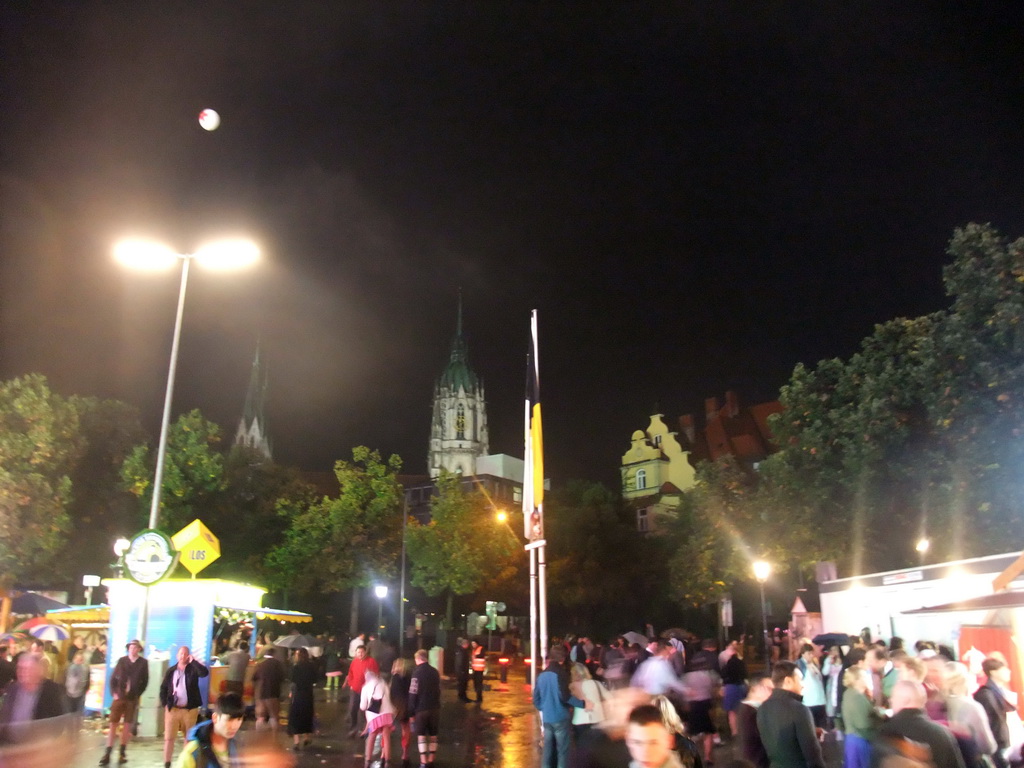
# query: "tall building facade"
x,y
252,428
458,428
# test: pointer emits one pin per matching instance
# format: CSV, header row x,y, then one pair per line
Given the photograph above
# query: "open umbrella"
x,y
53,632
679,634
829,639
12,636
634,637
34,603
296,641
36,621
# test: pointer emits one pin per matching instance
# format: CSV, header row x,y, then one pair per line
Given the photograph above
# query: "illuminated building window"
x,y
642,520
641,479
460,423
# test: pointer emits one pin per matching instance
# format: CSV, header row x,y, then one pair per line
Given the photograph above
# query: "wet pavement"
x,y
502,732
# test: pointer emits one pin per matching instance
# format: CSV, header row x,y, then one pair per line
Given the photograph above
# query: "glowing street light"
x,y
148,255
501,516
762,571
922,545
381,591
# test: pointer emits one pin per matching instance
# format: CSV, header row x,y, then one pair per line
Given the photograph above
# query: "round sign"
x,y
150,557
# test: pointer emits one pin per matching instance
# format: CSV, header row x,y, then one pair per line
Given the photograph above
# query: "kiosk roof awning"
x,y
993,602
81,614
274,614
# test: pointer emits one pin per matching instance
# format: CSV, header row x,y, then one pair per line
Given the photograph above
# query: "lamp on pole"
x,y
139,254
146,255
381,591
762,571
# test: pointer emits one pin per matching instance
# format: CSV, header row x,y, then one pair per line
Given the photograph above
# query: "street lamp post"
x,y
381,590
762,571
138,254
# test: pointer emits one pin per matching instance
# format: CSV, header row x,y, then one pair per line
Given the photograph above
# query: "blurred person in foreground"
x,y
910,723
606,745
211,744
649,741
28,700
686,748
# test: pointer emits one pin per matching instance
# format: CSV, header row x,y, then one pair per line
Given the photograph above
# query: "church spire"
x,y
458,432
458,324
252,429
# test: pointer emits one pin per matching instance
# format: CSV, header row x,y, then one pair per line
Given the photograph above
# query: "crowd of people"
x,y
871,704
663,703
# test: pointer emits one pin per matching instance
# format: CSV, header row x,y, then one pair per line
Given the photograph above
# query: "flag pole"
x,y
533,617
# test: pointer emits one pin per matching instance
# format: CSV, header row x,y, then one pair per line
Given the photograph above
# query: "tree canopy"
x,y
346,542
40,442
462,547
919,433
193,471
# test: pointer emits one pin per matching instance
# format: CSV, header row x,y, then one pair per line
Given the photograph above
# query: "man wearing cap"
x,y
127,683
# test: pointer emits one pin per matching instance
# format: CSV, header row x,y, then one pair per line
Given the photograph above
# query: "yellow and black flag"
x,y
533,472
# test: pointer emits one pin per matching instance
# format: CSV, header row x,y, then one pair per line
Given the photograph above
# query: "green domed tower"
x,y
458,430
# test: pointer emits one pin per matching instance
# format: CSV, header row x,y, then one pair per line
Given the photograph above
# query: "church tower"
x,y
458,429
252,429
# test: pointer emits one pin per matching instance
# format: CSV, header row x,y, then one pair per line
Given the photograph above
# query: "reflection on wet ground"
x,y
502,732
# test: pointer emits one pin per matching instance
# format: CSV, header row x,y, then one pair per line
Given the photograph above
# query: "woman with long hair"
x,y
687,749
375,701
300,708
401,672
586,688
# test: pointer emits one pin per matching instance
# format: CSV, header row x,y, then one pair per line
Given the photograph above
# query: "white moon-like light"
x,y
209,120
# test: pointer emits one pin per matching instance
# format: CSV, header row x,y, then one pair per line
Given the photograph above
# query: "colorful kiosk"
x,y
168,613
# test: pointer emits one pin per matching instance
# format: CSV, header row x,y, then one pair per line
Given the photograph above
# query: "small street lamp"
x,y
89,581
381,591
762,571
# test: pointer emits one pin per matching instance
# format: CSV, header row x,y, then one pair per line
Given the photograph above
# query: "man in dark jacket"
x,y
29,699
180,698
910,722
128,681
425,706
785,724
267,681
212,744
993,699
462,667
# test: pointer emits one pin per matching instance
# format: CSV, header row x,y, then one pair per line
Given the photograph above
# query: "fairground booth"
x,y
207,615
976,607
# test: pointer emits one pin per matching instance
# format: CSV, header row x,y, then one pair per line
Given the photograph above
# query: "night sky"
x,y
695,195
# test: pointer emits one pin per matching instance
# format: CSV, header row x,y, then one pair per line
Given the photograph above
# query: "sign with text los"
x,y
149,557
197,546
